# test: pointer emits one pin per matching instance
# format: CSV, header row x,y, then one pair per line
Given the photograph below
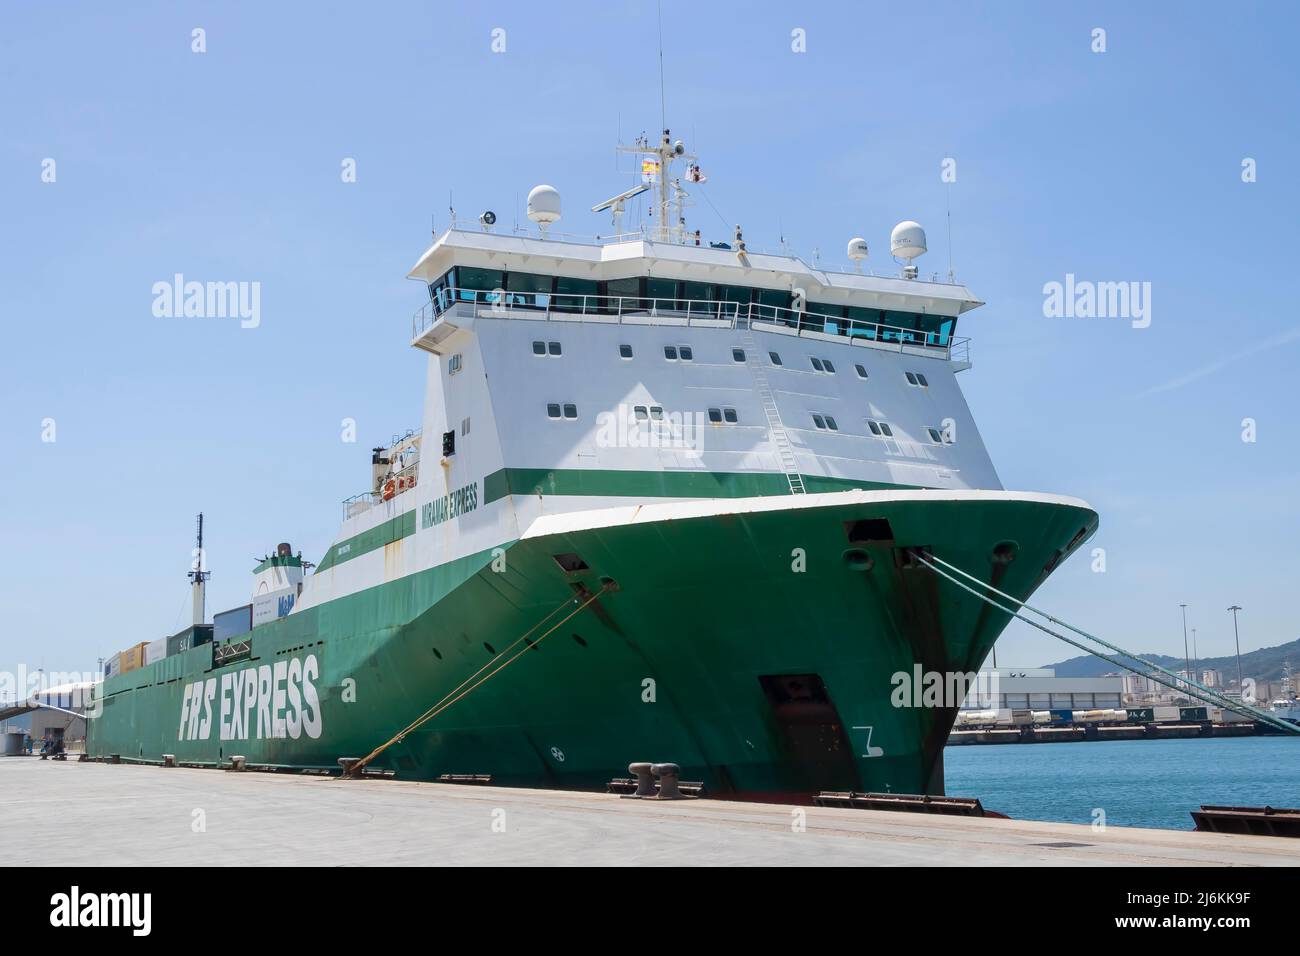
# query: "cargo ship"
x,y
668,503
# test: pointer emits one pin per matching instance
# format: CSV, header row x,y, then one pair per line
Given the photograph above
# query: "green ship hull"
x,y
758,649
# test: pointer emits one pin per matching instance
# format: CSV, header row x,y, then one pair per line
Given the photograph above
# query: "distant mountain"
x,y
1264,664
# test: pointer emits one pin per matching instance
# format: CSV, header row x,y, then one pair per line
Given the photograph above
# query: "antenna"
x,y
663,108
948,200
198,575
615,203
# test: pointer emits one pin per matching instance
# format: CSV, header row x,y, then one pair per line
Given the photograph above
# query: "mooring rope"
x,y
460,691
1201,692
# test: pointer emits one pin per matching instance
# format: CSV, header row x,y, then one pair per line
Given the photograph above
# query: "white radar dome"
x,y
857,248
544,205
907,240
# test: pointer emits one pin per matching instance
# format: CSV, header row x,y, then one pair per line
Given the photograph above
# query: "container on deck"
x,y
132,658
155,651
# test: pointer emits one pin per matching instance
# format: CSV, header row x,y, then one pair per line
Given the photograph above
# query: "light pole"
x,y
1234,609
1187,658
1195,656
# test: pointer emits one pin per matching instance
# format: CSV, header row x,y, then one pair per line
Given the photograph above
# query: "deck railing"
x,y
698,312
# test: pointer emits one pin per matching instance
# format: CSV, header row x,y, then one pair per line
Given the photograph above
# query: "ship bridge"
x,y
642,281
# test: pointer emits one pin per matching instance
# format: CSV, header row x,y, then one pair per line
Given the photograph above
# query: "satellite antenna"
x,y
544,206
198,575
857,251
615,204
906,242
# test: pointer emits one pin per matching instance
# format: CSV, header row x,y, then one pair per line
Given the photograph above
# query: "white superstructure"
x,y
570,375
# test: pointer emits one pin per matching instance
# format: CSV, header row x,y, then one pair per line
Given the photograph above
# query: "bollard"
x,y
668,774
114,758
237,763
645,784
169,760
347,763
84,758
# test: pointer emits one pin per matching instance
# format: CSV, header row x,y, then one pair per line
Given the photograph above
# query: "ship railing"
x,y
638,310
686,239
360,504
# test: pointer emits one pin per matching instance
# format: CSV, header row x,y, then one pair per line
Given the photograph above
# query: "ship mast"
x,y
198,575
670,192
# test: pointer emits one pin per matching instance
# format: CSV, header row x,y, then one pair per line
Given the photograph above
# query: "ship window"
x,y
478,284
552,409
911,378
921,380
625,351
570,410
830,423
817,364
663,292
935,436
686,353
738,355
829,367
640,413
624,294
819,421
775,358
729,415
670,353
657,412
539,348
874,427
715,415
576,295
454,364
862,372
528,290
888,432
553,348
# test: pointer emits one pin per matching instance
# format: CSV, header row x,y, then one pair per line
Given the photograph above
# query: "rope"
x,y
460,691
1203,693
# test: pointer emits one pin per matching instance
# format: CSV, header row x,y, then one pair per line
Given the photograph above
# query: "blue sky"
x,y
1115,166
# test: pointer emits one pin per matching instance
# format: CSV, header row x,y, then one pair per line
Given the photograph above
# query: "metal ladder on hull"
x,y
775,427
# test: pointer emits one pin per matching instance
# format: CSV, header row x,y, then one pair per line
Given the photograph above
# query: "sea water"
x,y
1136,783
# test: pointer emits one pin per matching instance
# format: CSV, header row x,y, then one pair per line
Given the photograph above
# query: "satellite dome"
x,y
857,248
544,205
907,240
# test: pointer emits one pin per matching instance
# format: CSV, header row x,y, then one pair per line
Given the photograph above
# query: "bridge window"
x,y
729,416
738,355
670,353
774,358
685,352
570,411
539,348
715,416
862,372
819,421
552,409
553,348
625,351
817,364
